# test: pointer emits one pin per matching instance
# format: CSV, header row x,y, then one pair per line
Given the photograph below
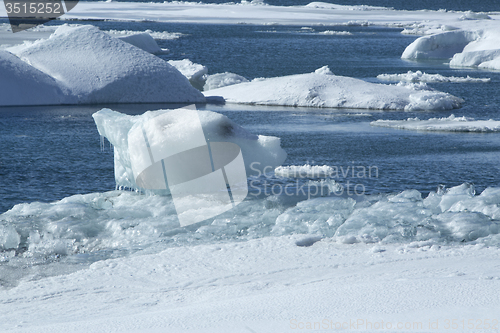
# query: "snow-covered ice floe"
x,y
468,47
83,65
259,152
195,73
220,80
447,124
302,171
324,89
420,76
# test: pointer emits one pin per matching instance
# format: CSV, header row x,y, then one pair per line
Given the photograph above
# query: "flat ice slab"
x,y
447,124
324,89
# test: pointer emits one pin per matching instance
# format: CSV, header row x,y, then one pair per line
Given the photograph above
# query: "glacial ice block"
x,y
179,129
97,68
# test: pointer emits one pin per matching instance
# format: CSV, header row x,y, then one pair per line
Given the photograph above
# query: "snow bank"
x,y
448,124
22,84
195,73
418,76
220,80
263,151
324,89
97,68
264,285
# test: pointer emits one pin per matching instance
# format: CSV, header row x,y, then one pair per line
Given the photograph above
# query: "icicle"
x,y
102,142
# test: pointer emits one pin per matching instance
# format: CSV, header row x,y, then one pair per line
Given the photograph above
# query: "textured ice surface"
x,y
22,84
93,67
220,80
419,76
259,152
195,73
468,47
324,89
86,228
446,124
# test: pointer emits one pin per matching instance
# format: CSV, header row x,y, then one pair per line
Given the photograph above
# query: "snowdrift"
x,y
449,124
91,67
263,151
324,89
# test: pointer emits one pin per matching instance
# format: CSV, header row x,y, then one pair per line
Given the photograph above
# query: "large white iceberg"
x,y
92,67
324,89
260,153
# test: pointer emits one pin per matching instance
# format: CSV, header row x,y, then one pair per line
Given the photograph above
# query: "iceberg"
x,y
465,47
260,153
324,89
91,67
446,124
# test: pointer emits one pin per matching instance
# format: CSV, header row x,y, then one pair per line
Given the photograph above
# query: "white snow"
x,y
143,41
92,67
418,273
259,152
301,171
324,89
22,84
195,73
471,46
447,124
220,80
420,76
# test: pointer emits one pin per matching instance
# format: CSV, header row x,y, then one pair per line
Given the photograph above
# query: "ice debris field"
x,y
119,261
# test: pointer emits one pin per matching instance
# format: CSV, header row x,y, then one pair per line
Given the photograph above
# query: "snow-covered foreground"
x,y
448,124
268,285
324,89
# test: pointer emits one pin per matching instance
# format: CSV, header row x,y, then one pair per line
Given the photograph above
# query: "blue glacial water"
x,y
51,153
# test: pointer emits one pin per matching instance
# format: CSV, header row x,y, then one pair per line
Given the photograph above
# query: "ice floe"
x,y
419,76
90,67
259,152
447,124
324,89
220,80
466,47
